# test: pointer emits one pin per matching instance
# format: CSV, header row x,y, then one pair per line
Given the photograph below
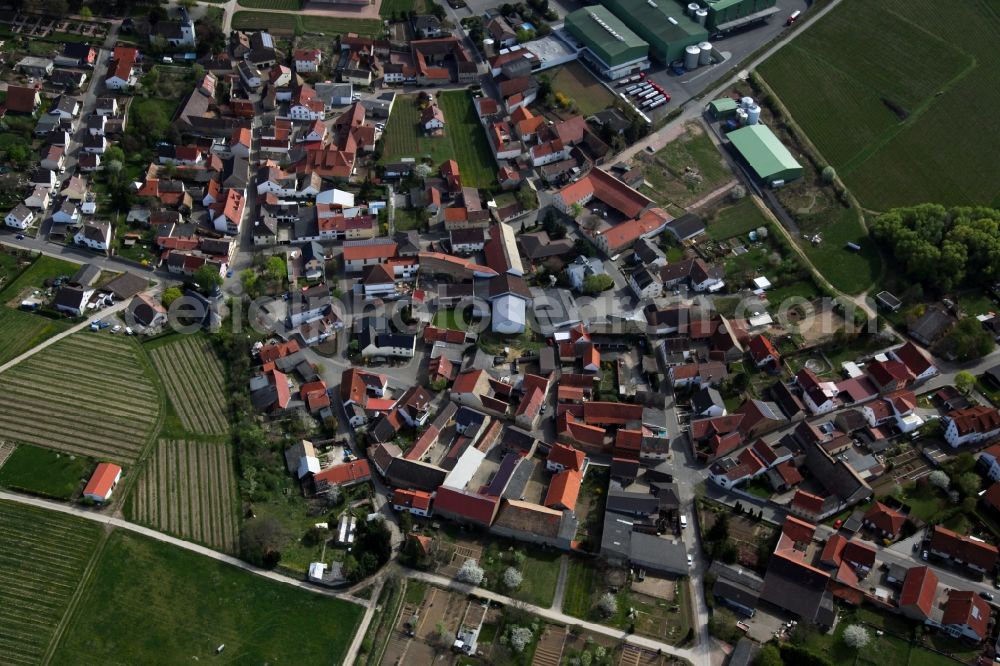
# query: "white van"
x,y
684,521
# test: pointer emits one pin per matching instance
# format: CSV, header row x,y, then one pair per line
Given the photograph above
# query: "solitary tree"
x,y
471,572
512,578
170,295
828,174
964,381
608,604
519,638
939,479
856,636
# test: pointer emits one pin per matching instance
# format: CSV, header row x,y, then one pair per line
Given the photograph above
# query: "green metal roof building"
x,y
606,36
723,108
662,23
765,154
722,12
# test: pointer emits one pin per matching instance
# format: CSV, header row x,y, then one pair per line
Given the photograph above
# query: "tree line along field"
x,y
464,139
88,394
20,331
193,378
43,559
189,489
899,96
151,603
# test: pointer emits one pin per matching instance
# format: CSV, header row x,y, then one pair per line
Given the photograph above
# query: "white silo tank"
x,y
701,16
746,102
705,57
691,55
692,8
753,114
741,116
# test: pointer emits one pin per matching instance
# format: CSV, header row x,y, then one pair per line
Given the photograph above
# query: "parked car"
x,y
986,595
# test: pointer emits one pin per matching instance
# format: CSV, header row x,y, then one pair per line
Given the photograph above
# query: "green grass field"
x,y
851,272
19,330
45,472
149,602
389,8
579,588
295,23
43,556
685,170
576,82
736,220
464,139
880,88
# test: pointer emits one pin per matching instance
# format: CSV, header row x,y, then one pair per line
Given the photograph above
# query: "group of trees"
x,y
942,248
372,550
968,340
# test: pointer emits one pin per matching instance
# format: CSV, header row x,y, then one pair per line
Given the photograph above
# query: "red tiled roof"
x,y
799,531
566,456
859,553
718,425
102,480
628,440
466,382
471,506
885,372
913,358
978,419
424,442
563,490
789,473
315,395
630,231
373,251
749,459
272,352
807,501
885,519
764,452
966,608
417,499
280,381
832,550
610,413
761,347
351,472
919,589
21,99
956,546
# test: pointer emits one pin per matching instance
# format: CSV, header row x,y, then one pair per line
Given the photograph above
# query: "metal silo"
x,y
741,116
700,16
691,56
746,102
705,57
692,8
753,114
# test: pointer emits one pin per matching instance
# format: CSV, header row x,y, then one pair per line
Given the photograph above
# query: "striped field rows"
x,y
43,556
87,394
188,489
193,377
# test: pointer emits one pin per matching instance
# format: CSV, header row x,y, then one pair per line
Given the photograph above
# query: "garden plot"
x,y
43,556
188,489
89,394
193,377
